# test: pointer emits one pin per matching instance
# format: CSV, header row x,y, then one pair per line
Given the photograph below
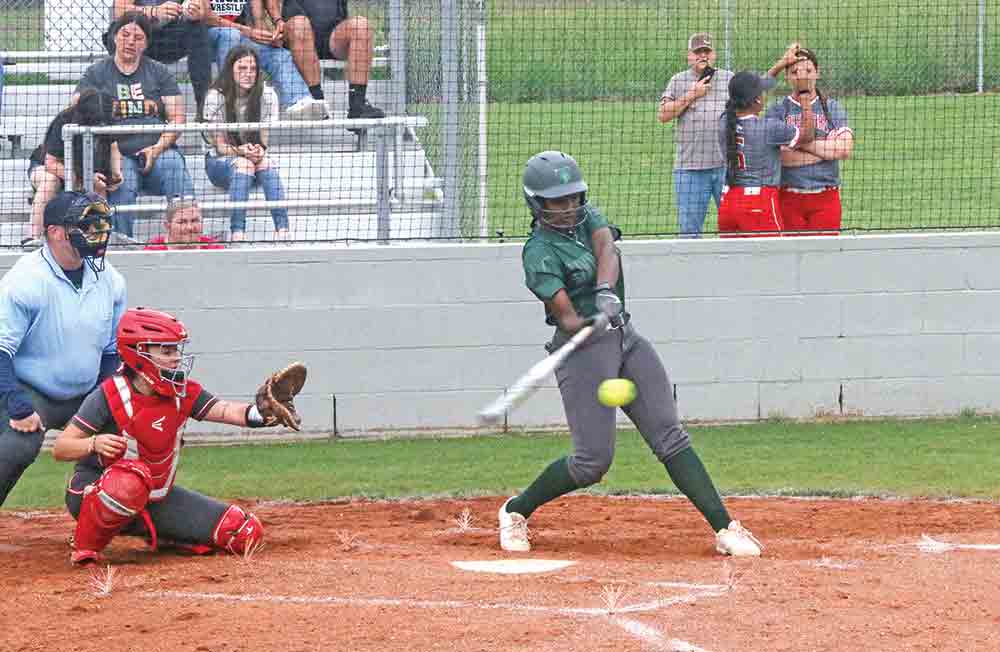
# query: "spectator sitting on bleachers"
x,y
227,32
46,169
238,160
179,31
335,36
184,228
144,90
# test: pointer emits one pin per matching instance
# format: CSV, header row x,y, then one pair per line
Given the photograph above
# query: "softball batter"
x,y
572,265
809,198
753,155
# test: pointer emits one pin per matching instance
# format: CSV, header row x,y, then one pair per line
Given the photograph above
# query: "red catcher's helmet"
x,y
140,327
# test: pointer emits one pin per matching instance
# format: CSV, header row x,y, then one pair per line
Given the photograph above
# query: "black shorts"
x,y
322,26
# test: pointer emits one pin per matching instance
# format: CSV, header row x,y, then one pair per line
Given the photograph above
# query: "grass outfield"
x,y
918,162
939,458
563,49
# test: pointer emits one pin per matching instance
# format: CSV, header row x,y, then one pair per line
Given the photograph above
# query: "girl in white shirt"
x,y
238,160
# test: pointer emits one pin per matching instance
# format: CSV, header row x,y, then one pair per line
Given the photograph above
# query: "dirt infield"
x,y
375,576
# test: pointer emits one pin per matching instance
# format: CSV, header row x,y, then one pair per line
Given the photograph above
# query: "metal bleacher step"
x,y
28,110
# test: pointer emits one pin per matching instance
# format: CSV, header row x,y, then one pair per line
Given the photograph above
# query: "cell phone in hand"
x,y
141,160
707,73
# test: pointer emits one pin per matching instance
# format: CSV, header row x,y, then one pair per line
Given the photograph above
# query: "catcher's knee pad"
x,y
238,531
117,497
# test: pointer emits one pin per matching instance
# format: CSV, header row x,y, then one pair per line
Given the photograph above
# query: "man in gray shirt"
x,y
696,97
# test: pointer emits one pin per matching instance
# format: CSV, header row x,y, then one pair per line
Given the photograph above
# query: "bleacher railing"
x,y
389,173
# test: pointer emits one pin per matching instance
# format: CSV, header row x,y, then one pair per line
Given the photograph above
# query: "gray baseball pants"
x,y
18,450
617,353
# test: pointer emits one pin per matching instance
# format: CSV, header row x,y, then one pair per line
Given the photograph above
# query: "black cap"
x,y
68,207
746,85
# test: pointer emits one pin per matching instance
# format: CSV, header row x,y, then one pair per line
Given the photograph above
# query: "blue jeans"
x,y
168,177
693,189
277,62
221,171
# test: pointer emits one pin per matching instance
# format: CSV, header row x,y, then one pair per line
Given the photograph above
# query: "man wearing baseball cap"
x,y
695,97
59,312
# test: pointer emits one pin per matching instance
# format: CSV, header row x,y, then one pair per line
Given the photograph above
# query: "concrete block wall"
x,y
412,337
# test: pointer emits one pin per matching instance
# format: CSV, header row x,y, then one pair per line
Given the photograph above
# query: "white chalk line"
x,y
643,632
430,604
654,638
927,544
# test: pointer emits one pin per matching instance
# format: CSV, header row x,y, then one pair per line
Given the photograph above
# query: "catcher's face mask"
x,y
172,365
90,233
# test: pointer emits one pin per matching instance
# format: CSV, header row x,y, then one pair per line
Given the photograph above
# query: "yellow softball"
x,y
616,392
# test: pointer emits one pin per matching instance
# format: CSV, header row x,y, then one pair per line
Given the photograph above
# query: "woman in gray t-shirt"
x,y
236,161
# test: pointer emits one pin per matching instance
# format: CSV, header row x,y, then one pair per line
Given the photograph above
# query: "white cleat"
x,y
513,530
307,109
737,541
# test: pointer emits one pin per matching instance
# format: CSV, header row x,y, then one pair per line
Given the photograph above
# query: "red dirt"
x,y
373,576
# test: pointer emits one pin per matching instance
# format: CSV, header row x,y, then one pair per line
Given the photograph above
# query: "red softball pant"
x,y
750,212
815,213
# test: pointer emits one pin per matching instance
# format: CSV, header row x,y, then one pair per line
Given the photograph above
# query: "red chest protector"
x,y
151,426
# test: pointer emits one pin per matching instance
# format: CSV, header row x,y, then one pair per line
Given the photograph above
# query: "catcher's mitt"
x,y
275,396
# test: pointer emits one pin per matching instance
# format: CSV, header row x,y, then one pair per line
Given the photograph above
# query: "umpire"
x,y
59,312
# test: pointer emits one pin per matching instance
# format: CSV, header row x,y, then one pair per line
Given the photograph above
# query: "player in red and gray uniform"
x,y
753,157
126,440
809,198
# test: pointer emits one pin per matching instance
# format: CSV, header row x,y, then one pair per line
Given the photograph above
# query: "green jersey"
x,y
556,261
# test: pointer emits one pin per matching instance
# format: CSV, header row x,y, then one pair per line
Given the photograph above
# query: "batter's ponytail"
x,y
732,151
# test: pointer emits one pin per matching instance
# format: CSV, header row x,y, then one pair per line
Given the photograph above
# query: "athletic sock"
x,y
554,481
689,475
317,92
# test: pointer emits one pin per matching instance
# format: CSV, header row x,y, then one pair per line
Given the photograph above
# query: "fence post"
x,y
450,126
382,208
981,44
483,98
727,54
67,136
397,56
88,161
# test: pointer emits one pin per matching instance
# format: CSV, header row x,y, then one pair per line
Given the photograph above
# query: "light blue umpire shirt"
x,y
55,333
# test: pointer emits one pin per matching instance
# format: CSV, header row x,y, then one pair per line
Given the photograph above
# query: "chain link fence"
x,y
499,81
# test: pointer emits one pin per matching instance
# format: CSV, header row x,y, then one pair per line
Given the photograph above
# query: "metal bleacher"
x,y
327,164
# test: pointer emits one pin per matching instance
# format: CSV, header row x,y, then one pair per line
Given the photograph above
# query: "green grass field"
x,y
919,162
939,458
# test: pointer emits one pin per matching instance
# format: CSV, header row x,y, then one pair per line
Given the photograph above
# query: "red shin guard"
x,y
238,531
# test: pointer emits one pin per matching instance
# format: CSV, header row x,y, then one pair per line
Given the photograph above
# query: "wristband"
x,y
603,285
253,417
93,445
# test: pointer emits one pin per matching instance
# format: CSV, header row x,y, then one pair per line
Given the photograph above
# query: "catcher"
x,y
126,440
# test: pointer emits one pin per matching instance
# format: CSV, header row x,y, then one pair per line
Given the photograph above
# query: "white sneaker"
x,y
737,541
307,109
513,530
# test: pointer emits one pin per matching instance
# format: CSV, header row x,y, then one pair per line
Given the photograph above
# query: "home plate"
x,y
513,566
